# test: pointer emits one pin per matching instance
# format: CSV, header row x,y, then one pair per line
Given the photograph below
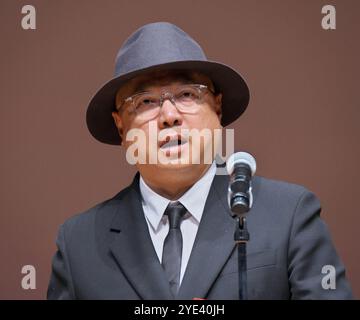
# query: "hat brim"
x,y
235,96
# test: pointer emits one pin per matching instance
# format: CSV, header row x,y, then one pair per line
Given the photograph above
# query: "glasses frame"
x,y
166,95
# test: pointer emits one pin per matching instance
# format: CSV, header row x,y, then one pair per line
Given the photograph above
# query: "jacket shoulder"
x,y
279,188
281,197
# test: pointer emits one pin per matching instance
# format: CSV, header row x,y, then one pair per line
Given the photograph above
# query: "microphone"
x,y
241,166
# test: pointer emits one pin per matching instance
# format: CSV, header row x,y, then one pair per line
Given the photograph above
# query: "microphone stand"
x,y
241,237
241,166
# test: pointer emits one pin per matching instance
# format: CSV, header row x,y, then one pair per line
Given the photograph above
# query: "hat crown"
x,y
155,44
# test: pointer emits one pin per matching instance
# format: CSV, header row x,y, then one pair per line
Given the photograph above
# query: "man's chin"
x,y
175,171
174,163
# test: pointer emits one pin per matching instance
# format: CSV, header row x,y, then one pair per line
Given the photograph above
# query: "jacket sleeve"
x,y
315,269
60,285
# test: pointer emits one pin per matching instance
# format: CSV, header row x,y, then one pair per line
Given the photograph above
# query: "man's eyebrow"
x,y
140,87
143,85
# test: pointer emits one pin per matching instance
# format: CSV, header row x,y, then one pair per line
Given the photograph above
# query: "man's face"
x,y
170,121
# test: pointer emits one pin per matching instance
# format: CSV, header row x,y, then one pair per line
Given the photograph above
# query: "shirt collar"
x,y
193,200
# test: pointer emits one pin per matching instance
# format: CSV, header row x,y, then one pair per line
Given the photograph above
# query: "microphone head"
x,y
241,157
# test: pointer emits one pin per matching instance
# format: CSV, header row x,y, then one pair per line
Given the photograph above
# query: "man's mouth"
x,y
170,142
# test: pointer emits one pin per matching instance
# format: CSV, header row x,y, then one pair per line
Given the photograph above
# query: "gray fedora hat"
x,y
160,46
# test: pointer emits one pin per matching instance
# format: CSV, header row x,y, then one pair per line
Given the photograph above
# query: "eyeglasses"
x,y
186,98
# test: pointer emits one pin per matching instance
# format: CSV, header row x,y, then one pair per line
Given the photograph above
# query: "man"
x,y
169,235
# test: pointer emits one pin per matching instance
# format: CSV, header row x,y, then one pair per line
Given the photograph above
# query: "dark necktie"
x,y
171,258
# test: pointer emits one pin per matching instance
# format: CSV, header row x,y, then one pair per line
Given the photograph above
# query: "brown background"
x,y
302,124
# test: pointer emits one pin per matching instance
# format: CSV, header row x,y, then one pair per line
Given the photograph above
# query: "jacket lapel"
x,y
132,247
213,245
133,250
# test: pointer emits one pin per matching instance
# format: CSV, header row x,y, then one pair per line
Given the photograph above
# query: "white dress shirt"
x,y
193,200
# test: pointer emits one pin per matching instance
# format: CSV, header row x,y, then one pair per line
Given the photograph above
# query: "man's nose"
x,y
169,115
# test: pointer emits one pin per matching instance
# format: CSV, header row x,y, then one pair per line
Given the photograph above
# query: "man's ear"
x,y
218,105
118,122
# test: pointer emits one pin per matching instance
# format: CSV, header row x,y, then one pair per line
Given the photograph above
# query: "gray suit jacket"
x,y
107,253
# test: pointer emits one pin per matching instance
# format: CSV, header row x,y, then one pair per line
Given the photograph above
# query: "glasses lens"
x,y
187,95
146,104
186,98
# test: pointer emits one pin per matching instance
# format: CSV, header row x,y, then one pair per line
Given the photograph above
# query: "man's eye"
x,y
147,101
187,95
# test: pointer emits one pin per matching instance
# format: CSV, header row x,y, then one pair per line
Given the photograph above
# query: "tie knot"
x,y
175,212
